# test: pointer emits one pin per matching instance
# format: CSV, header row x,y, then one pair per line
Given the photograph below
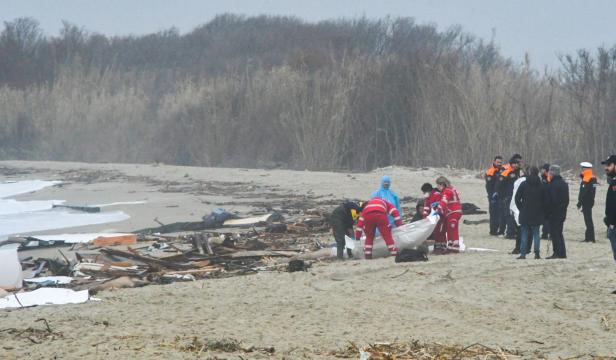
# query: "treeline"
x,y
277,91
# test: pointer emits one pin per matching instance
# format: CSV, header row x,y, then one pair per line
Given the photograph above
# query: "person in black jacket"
x,y
586,199
545,179
504,192
342,220
610,202
531,199
557,212
491,177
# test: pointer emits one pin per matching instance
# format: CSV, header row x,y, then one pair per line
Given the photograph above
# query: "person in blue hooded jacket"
x,y
388,195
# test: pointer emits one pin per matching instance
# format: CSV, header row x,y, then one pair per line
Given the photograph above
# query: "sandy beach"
x,y
552,308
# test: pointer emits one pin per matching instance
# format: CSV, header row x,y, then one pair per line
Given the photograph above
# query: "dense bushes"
x,y
275,91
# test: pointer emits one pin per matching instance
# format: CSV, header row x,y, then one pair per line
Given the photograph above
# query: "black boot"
x,y
537,256
521,257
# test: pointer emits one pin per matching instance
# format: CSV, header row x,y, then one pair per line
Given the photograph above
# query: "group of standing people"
x,y
523,199
383,211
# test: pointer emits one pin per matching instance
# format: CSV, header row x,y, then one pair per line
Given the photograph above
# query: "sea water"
x,y
22,217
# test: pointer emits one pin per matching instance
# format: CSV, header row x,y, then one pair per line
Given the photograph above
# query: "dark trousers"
x,y
545,230
340,231
505,216
558,239
494,216
590,227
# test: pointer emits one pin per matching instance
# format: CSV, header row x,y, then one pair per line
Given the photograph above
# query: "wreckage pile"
x,y
228,246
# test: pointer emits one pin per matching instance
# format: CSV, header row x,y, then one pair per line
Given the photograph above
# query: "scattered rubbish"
x,y
297,265
10,268
87,209
44,296
418,350
411,255
475,222
50,280
253,221
98,239
109,240
480,250
217,218
472,209
227,345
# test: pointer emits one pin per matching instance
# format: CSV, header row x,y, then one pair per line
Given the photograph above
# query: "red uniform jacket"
x,y
379,206
450,202
435,196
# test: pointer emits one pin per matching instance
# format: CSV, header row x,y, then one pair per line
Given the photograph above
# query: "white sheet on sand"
x,y
44,296
76,238
10,268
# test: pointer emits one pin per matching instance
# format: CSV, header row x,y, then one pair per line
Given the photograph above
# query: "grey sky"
x,y
543,28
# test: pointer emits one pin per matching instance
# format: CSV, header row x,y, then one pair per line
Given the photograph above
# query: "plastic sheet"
x,y
407,236
10,268
44,296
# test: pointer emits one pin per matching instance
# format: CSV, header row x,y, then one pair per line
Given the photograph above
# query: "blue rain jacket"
x,y
388,195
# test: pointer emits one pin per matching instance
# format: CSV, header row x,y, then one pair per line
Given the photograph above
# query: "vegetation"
x,y
277,91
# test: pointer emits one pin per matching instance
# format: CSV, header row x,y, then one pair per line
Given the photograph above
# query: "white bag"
x,y
408,236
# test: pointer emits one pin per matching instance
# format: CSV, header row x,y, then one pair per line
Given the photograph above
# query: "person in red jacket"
x,y
375,215
450,208
439,235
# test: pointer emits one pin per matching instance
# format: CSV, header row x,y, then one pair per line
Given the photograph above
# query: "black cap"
x,y
546,167
610,160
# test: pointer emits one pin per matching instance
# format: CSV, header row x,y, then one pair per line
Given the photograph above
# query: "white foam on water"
x,y
8,189
22,217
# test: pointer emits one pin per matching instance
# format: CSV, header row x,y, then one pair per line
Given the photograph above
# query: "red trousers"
x,y
440,235
453,234
379,220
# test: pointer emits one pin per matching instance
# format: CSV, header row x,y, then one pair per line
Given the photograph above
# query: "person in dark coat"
x,y
557,212
491,177
503,192
545,179
610,202
531,199
586,199
342,220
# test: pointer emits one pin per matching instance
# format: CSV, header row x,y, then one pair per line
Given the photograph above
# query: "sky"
x,y
543,29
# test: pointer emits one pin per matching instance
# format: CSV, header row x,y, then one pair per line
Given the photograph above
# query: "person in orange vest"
x,y
375,215
504,193
586,199
439,235
491,177
450,208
